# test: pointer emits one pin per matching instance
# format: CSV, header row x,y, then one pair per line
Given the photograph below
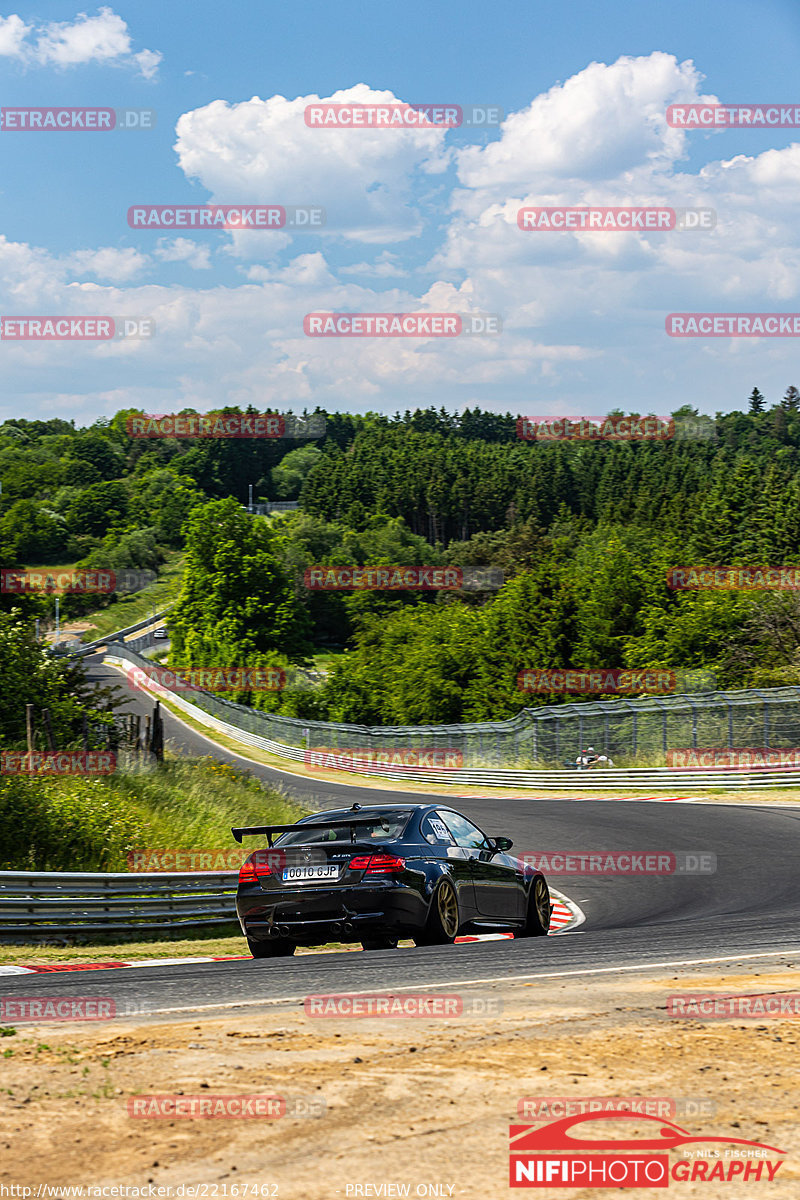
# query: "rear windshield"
x,y
383,827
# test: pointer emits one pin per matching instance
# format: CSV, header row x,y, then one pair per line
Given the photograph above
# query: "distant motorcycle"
x,y
590,758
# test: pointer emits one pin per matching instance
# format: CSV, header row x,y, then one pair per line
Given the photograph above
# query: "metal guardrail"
x,y
48,903
120,635
643,729
649,778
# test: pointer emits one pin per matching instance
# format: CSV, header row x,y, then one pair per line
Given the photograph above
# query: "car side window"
x,y
465,833
435,831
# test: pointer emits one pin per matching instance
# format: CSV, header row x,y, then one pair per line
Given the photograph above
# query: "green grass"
x,y
325,660
50,568
114,949
127,610
92,824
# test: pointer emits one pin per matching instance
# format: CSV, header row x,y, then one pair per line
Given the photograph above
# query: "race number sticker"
x,y
441,830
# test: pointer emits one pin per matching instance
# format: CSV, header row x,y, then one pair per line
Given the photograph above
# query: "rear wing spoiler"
x,y
270,830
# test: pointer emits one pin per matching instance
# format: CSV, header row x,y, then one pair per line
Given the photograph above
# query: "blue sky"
x,y
416,221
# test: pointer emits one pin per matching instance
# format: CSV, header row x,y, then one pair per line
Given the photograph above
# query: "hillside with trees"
x,y
583,531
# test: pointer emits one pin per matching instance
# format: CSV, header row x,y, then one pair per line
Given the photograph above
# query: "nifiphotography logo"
x,y
552,1156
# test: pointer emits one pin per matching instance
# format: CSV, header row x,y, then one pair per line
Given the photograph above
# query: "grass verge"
x,y
81,823
202,946
128,610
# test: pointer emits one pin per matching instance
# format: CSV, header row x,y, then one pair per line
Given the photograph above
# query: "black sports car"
x,y
379,873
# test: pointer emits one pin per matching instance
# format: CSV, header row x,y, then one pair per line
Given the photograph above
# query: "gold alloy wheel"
x,y
541,900
447,906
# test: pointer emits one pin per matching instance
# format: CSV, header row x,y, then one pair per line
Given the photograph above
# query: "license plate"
x,y
308,874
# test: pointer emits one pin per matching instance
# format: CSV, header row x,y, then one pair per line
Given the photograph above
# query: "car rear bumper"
x,y
314,915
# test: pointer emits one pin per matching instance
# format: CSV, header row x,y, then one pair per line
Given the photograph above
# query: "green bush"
x,y
92,824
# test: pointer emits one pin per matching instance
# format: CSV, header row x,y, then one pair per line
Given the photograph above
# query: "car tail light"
x,y
256,865
378,864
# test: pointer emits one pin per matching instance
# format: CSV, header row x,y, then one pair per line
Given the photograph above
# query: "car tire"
x,y
379,943
275,948
443,921
538,919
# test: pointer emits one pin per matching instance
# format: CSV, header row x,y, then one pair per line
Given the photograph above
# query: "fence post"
x,y
29,726
48,729
157,737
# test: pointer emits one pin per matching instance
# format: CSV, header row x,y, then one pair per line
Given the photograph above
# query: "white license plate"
x,y
308,874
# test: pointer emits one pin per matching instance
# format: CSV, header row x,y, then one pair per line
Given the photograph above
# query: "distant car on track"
x,y
161,632
378,873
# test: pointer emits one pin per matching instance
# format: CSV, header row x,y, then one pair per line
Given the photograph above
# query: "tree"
x,y
97,508
756,401
291,471
30,675
33,533
791,400
238,604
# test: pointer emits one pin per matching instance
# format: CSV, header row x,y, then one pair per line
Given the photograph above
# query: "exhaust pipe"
x,y
348,927
283,930
336,927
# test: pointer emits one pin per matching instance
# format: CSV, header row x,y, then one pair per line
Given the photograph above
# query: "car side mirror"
x,y
502,844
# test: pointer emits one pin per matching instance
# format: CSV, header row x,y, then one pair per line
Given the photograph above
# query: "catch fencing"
x,y
527,750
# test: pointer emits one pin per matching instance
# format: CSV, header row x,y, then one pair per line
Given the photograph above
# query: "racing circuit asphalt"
x,y
750,907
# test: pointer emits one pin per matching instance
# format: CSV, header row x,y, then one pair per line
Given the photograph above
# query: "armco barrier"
x,y
45,904
658,778
119,636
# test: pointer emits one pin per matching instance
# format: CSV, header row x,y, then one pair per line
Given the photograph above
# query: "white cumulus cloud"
x,y
102,39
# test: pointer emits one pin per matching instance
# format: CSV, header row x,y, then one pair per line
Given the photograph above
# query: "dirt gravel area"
x,y
422,1104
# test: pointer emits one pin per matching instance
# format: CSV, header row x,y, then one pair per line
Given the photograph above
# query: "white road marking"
x,y
686,962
